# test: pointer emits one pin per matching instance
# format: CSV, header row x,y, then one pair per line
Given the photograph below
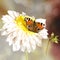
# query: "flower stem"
x,y
47,46
26,55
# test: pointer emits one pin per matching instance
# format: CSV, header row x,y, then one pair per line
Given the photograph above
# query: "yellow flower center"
x,y
22,24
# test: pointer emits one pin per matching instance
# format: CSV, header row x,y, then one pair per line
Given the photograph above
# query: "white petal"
x,y
28,47
23,48
43,33
37,40
23,13
13,14
9,26
4,33
7,19
32,42
16,46
9,39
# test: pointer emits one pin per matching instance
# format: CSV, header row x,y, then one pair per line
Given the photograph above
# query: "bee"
x,y
32,25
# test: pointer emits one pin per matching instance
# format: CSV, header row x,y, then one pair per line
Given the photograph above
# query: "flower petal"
x,y
13,14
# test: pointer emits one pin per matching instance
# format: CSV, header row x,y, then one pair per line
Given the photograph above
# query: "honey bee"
x,y
32,25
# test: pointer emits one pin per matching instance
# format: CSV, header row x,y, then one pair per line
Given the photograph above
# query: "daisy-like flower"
x,y
18,34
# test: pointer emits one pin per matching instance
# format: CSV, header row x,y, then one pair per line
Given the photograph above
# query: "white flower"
x,y
18,35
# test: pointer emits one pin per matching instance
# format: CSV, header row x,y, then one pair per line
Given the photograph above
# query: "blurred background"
x,y
48,9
